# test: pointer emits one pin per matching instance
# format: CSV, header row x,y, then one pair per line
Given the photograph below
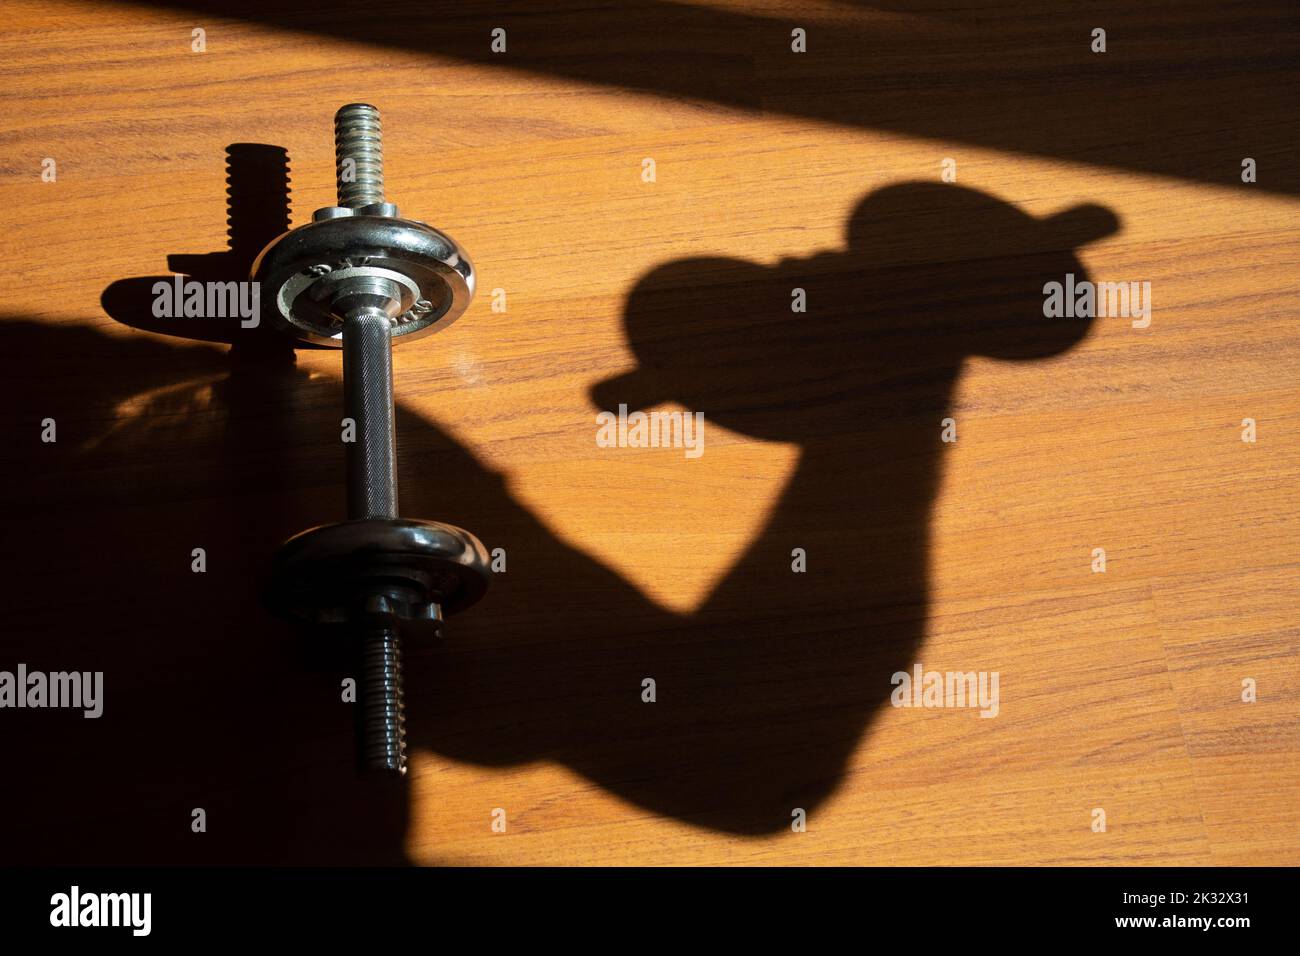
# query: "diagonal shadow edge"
x,y
996,80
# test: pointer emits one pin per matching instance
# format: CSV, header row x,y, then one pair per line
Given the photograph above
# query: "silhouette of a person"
x,y
763,691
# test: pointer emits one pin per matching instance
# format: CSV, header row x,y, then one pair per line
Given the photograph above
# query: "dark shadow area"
x,y
164,446
1184,89
763,692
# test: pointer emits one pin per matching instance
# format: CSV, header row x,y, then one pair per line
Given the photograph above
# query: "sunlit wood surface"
x,y
1120,691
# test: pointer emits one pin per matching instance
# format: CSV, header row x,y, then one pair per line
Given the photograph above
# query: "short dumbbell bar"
x,y
362,277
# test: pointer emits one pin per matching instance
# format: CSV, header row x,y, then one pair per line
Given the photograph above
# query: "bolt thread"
x,y
257,199
383,705
359,155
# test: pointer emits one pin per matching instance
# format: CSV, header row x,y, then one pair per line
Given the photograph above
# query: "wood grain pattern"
x,y
1120,690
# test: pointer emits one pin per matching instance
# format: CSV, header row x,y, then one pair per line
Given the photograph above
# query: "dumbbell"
x,y
361,277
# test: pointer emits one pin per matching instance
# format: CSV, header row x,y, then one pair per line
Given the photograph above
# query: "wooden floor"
x,y
1121,734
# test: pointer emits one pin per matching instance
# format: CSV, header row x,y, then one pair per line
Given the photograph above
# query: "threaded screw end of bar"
x,y
383,704
359,155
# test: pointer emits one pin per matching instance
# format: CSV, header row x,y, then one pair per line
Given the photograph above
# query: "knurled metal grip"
x,y
361,277
368,387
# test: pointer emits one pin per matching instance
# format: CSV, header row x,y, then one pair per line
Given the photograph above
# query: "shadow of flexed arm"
x,y
765,690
